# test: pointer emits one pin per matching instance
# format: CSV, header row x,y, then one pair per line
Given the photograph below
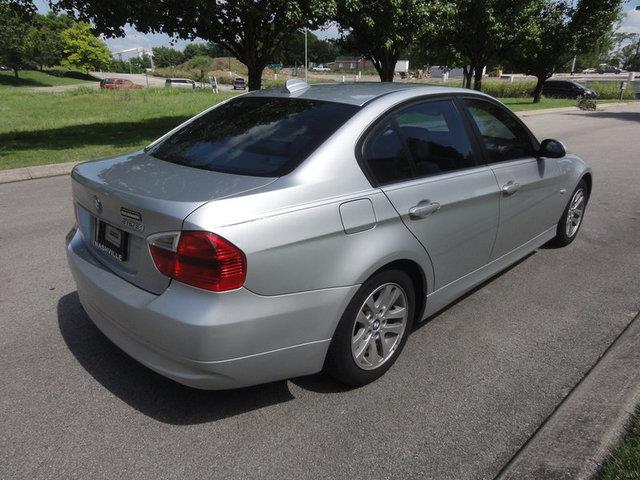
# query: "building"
x,y
350,64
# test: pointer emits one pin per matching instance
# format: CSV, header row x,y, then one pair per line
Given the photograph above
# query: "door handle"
x,y
423,209
510,187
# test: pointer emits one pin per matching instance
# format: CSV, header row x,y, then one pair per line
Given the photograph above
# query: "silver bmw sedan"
x,y
288,231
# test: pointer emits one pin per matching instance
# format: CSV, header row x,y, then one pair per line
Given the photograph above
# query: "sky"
x,y
133,38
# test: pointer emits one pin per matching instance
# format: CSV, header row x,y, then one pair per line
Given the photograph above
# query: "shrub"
x,y
586,104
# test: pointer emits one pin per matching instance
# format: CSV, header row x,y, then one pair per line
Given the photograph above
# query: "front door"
x,y
529,185
423,160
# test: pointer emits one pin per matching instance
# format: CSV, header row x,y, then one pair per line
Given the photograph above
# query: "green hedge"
x,y
506,89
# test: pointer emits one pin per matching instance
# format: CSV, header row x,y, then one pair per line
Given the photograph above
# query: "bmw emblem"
x,y
97,203
376,324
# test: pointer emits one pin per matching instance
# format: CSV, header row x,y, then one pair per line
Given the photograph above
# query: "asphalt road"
x,y
471,387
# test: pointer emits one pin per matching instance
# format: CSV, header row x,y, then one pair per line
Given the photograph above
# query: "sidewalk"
x,y
577,437
38,171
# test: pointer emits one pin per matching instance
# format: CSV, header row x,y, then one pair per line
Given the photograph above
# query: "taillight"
x,y
201,259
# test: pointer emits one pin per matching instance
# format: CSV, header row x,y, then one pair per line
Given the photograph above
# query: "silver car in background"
x,y
284,232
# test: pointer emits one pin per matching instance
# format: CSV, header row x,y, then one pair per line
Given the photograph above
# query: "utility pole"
x,y
306,61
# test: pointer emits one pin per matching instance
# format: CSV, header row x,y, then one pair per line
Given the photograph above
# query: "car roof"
x,y
358,93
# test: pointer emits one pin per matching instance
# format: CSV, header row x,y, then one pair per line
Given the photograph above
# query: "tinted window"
x,y
503,135
255,136
385,155
435,137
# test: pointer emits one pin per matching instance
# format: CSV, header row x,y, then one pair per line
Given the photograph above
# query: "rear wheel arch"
x,y
418,278
588,179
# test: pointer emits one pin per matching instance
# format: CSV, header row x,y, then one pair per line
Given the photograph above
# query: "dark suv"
x,y
566,89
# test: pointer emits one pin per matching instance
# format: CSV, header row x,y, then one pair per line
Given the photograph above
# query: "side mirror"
x,y
552,149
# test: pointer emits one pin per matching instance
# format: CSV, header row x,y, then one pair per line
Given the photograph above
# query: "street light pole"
x,y
306,61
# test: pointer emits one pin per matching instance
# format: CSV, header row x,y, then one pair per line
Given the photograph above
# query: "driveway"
x,y
146,80
471,387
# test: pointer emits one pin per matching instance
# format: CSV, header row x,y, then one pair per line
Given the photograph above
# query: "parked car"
x,y
179,83
608,69
321,68
290,230
118,84
239,84
3,68
566,89
590,70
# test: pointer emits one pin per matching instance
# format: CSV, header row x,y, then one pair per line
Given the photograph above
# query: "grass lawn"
x,y
624,464
49,78
520,104
40,128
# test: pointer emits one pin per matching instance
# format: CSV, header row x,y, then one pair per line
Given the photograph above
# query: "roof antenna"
x,y
294,85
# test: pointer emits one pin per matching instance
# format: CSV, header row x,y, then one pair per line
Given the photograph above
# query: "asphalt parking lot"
x,y
473,384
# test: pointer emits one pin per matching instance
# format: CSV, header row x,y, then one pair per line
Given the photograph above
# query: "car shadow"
x,y
625,116
115,134
148,392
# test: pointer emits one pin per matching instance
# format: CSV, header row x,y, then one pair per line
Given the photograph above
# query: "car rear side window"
x,y
386,156
266,136
503,135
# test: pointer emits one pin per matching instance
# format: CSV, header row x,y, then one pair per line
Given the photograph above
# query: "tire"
x,y
367,330
565,234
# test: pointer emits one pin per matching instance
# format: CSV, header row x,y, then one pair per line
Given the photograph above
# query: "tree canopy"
x,y
13,34
558,30
252,30
383,29
44,45
83,49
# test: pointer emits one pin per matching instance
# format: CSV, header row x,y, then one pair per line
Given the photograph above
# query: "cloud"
x,y
631,22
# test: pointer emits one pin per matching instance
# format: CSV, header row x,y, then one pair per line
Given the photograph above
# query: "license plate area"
x,y
111,240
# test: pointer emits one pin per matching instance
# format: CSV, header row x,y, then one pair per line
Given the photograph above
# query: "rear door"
x,y
422,158
529,185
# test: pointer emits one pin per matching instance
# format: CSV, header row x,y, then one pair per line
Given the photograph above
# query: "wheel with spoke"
x,y
373,329
572,217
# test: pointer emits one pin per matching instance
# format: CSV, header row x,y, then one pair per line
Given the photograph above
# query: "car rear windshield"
x,y
266,137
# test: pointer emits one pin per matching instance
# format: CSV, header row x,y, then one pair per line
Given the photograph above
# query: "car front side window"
x,y
503,136
436,138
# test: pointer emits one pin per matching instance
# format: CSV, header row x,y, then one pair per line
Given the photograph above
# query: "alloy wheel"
x,y
379,326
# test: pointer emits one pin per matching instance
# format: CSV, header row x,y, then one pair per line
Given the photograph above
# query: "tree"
x,y
44,46
83,49
141,63
167,57
13,35
195,50
559,30
381,30
626,51
251,30
479,30
292,51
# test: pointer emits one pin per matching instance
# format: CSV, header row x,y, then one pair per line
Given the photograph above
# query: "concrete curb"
x,y
579,435
39,171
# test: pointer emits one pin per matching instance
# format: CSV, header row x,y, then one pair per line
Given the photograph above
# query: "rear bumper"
x,y
209,340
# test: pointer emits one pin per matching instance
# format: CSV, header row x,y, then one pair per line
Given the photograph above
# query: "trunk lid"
x,y
141,195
